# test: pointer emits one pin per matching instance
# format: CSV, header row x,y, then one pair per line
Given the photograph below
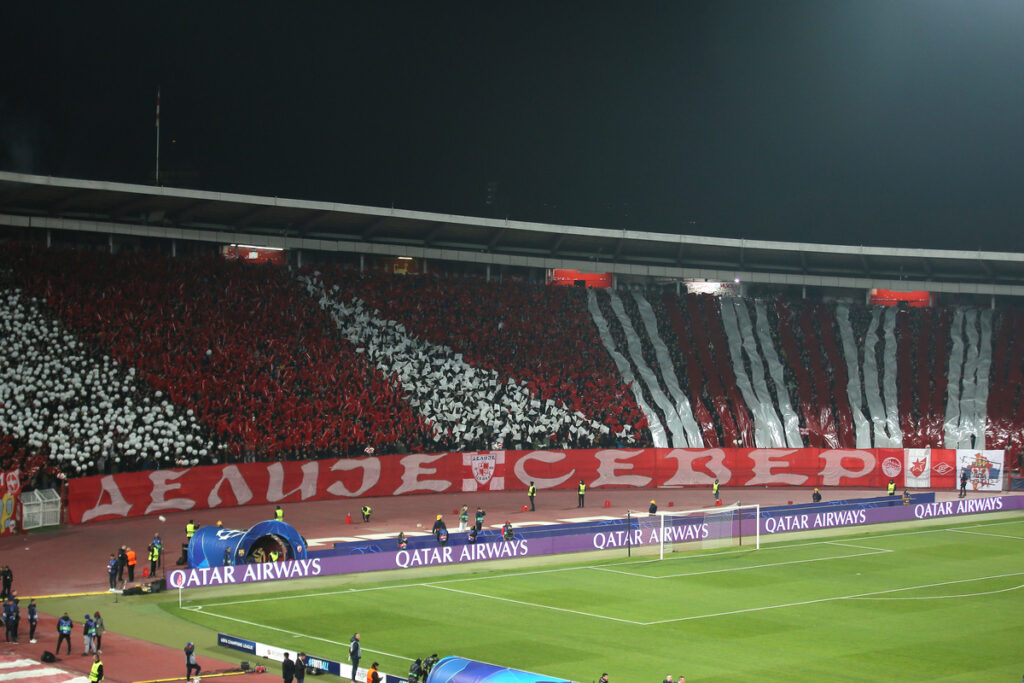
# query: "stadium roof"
x,y
49,203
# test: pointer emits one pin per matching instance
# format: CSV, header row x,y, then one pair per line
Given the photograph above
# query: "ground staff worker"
x,y
715,487
96,672
532,493
131,564
581,490
279,514
892,488
190,530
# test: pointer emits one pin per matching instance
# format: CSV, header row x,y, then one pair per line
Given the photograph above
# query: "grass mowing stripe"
x,y
831,599
682,557
533,604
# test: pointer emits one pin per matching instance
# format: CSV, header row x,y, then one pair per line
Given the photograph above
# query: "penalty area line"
x,y
534,604
821,600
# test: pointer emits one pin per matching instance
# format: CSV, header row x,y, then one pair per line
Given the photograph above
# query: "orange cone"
x,y
718,503
348,518
524,508
607,503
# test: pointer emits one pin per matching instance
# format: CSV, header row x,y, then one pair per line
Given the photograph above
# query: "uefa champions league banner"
x,y
614,535
215,486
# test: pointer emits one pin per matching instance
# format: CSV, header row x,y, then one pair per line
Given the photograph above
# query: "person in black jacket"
x,y
440,531
190,661
300,667
355,652
287,669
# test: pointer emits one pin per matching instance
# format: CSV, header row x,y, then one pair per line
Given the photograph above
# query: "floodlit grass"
x,y
938,603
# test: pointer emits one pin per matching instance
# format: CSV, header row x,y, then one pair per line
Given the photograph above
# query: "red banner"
x,y
197,488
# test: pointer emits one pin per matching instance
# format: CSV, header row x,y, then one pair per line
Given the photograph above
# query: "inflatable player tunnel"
x,y
461,670
211,546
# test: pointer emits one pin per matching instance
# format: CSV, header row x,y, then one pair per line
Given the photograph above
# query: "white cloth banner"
x,y
762,432
862,430
951,425
968,383
636,353
984,369
917,468
871,383
653,423
668,373
889,390
790,420
757,378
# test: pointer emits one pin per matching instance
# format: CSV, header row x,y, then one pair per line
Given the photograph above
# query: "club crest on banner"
x,y
918,467
484,471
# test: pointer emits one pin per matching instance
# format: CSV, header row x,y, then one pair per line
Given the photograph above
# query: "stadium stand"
x,y
144,360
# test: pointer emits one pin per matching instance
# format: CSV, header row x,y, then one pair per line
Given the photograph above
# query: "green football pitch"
x,y
901,604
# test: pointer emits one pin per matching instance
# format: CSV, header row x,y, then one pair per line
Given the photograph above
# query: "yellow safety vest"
x,y
892,488
279,514
190,530
582,488
94,673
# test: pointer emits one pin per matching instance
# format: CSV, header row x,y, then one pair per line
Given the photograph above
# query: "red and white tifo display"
x,y
216,486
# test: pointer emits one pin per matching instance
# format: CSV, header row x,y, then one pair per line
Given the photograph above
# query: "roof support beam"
x,y
495,238
435,230
619,243
302,226
372,228
66,202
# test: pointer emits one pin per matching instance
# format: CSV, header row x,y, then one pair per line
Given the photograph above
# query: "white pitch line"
x,y
947,597
820,600
534,604
982,533
300,635
772,564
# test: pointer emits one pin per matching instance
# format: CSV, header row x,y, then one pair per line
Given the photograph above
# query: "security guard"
x,y
279,514
154,558
581,490
96,673
190,530
715,487
892,488
367,510
64,625
532,493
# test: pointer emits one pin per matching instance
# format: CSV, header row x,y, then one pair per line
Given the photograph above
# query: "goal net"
x,y
717,527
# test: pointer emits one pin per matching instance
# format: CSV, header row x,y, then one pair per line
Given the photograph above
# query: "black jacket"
x,y
288,669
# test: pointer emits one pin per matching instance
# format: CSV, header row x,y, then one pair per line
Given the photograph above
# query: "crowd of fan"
x,y
136,361
256,362
84,409
541,337
467,407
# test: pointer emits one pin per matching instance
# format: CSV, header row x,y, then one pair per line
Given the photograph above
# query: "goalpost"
x,y
717,527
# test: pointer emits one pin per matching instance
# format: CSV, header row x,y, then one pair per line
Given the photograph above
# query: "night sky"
x,y
889,122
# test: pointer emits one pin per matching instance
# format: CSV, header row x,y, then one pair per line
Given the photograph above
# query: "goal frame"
x,y
753,540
